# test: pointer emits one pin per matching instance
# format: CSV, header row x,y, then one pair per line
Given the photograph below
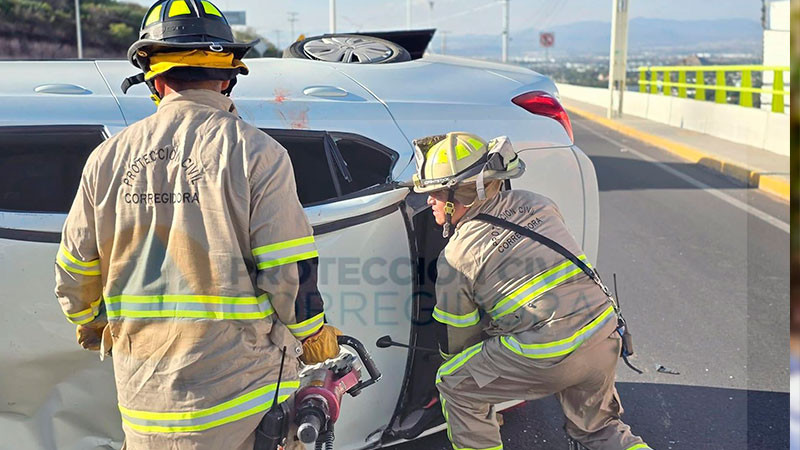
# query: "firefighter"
x,y
521,321
187,250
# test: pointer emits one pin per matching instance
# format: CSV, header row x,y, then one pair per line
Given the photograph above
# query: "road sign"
x,y
236,17
547,39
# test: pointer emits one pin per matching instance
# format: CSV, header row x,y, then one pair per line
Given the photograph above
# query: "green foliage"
x,y
46,29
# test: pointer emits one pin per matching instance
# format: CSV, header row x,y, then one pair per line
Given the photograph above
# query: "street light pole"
x,y
292,20
332,16
505,29
78,27
618,57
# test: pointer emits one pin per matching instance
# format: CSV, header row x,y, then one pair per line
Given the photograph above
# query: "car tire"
x,y
347,48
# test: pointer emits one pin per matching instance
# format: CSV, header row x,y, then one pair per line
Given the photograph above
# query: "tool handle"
x,y
366,359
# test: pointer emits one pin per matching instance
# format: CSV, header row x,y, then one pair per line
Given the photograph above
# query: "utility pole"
x,y
506,7
408,14
78,27
430,13
618,57
332,16
292,20
444,41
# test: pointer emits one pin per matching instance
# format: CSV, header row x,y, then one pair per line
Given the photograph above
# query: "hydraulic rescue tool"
x,y
317,404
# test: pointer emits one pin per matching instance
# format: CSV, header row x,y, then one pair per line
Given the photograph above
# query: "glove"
x,y
90,335
321,346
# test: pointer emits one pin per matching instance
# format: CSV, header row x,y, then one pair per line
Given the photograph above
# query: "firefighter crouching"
x,y
522,321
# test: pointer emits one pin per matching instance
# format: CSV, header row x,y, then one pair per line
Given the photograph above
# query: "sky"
x,y
271,17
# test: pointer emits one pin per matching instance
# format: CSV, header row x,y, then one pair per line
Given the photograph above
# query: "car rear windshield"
x,y
40,166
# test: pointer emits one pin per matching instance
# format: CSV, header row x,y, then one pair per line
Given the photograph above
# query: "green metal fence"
x,y
662,76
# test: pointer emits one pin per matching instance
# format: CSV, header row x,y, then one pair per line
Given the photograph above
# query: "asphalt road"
x,y
702,267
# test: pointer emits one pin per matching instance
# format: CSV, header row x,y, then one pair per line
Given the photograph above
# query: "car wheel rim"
x,y
347,50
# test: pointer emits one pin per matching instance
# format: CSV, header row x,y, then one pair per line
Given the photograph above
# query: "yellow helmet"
x,y
447,160
457,158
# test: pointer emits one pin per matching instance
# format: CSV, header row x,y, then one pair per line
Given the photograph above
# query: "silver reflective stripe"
x,y
197,420
307,327
457,361
285,252
459,321
561,347
189,306
533,289
87,315
68,262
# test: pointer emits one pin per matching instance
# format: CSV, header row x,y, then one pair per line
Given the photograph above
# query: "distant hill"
x,y
593,38
45,29
34,29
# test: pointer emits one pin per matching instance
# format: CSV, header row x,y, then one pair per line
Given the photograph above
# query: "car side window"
x,y
329,166
369,165
40,166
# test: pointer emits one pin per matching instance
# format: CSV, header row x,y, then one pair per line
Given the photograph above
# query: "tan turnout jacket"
x,y
495,281
187,230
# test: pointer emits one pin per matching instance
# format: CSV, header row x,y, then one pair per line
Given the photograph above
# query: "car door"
x,y
54,393
365,265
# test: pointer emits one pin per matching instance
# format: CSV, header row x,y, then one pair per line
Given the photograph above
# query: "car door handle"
x,y
325,91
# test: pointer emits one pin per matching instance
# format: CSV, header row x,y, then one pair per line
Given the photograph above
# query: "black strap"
x,y
130,81
539,238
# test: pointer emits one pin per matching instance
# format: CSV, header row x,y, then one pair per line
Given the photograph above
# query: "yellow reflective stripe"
x,y
460,321
211,9
87,315
461,152
212,299
476,144
89,264
189,306
288,259
67,267
540,284
243,406
154,15
179,8
308,326
189,314
639,447
560,347
457,361
283,245
286,252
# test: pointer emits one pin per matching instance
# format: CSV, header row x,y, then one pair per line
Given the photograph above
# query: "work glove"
x,y
91,334
321,346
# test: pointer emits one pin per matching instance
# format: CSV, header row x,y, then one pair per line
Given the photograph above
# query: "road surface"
x,y
702,269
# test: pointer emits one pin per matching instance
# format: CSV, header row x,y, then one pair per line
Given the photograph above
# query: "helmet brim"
x,y
239,49
489,175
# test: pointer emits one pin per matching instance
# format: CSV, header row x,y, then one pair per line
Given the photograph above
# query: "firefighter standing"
x,y
522,322
187,249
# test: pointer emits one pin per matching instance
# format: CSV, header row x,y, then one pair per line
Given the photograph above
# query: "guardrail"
x,y
720,87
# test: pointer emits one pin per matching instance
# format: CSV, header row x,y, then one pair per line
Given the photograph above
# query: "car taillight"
x,y
543,104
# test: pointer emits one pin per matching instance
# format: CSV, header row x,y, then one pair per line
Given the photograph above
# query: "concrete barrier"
x,y
749,126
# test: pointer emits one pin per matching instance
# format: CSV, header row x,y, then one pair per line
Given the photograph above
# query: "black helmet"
x,y
176,25
172,26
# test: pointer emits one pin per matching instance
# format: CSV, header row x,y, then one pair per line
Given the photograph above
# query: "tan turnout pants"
x,y
583,382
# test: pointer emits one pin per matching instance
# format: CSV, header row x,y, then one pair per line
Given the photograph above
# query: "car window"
x,y
312,173
332,165
40,166
368,165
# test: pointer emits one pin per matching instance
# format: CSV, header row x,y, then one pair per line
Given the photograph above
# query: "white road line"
x,y
755,212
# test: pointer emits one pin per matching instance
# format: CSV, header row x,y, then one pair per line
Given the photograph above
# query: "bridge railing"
x,y
655,78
